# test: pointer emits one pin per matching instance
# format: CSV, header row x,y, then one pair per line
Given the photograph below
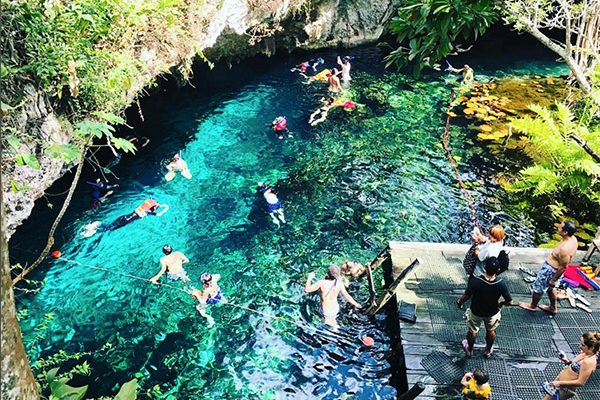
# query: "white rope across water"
x,y
187,291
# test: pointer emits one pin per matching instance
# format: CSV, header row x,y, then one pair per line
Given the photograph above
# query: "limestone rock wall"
x,y
221,29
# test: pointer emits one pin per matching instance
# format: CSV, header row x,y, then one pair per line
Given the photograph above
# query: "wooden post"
x,y
372,292
595,245
389,293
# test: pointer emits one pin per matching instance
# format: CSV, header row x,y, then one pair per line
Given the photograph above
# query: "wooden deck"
x,y
527,344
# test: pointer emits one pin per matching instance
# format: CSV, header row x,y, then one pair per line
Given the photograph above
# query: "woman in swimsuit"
x,y
320,114
212,295
578,370
329,289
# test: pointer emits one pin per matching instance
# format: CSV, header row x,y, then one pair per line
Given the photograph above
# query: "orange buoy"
x,y
368,341
56,254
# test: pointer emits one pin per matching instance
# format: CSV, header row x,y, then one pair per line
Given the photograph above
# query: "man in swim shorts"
x,y
552,269
211,295
329,289
274,205
172,264
177,164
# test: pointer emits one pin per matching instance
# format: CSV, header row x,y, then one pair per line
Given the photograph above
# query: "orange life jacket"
x,y
146,206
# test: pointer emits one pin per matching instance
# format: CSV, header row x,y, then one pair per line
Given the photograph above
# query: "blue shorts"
x,y
274,207
542,281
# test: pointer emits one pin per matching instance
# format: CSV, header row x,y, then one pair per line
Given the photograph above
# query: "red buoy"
x,y
368,341
56,254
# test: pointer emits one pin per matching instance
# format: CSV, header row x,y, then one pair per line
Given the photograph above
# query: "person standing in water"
x,y
466,71
345,66
212,294
177,164
329,289
552,269
274,205
172,264
334,82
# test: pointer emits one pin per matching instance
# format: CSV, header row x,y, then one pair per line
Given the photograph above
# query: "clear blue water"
x,y
348,185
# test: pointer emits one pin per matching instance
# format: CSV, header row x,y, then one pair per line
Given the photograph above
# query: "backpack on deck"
x,y
503,261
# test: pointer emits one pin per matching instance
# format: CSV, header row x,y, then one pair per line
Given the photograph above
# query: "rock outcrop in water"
x,y
222,29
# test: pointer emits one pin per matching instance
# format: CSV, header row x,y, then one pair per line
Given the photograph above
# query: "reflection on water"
x,y
348,185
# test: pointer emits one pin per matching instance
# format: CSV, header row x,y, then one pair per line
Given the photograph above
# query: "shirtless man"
x,y
172,264
177,164
553,268
466,71
330,288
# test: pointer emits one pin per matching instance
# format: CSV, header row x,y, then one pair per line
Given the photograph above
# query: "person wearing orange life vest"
x,y
149,206
279,125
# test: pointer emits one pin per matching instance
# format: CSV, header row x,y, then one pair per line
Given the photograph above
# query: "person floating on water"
x,y
274,205
329,289
334,82
466,71
321,113
100,191
172,264
279,125
303,66
149,206
321,76
177,164
212,294
345,65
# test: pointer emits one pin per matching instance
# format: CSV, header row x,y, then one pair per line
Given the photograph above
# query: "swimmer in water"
x,y
354,269
329,289
211,295
274,205
320,77
172,264
100,191
177,165
466,71
320,114
149,206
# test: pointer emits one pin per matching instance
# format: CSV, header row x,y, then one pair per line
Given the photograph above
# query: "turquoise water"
x,y
348,185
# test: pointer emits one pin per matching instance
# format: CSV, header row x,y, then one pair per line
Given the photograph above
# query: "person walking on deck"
x,y
329,289
552,269
485,292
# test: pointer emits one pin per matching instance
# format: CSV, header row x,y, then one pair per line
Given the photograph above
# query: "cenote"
x,y
349,185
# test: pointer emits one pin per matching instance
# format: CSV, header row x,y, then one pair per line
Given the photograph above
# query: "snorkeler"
x,y
149,206
329,289
321,76
177,164
279,125
212,294
466,71
172,264
334,82
303,66
100,191
345,66
274,205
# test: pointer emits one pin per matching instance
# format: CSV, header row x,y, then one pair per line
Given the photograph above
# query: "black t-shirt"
x,y
485,295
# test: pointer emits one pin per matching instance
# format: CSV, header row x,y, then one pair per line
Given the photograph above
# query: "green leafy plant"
x,y
561,164
432,27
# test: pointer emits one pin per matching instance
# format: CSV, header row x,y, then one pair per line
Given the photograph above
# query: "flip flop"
x,y
526,308
488,354
527,271
546,309
465,346
529,279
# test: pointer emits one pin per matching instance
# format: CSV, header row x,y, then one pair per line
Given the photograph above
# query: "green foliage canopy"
x,y
432,27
